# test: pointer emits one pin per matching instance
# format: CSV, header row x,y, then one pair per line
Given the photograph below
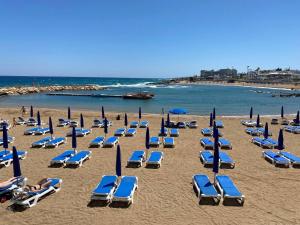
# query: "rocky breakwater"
x,y
31,90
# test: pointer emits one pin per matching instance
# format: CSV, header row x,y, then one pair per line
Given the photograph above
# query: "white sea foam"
x,y
145,85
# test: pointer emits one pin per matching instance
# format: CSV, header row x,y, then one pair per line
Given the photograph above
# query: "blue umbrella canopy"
x,y
178,111
102,112
69,113
216,154
105,126
251,113
5,138
118,162
280,140
74,140
125,120
258,121
214,114
50,126
81,121
168,120
210,120
266,131
282,112
162,127
31,111
38,118
140,113
16,163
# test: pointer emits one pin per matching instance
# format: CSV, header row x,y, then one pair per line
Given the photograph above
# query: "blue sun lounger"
x,y
219,124
8,159
253,131
62,122
228,189
155,159
32,198
226,160
42,131
62,158
144,124
9,138
205,189
264,143
224,143
98,123
105,188
120,132
80,132
136,159
206,143
294,160
293,129
154,142
130,132
249,123
275,159
15,184
55,142
79,158
125,190
174,132
97,142
4,153
134,124
111,142
206,158
41,143
31,131
169,142
164,134
207,131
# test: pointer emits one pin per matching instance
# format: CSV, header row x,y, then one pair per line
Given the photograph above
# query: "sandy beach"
x,y
165,195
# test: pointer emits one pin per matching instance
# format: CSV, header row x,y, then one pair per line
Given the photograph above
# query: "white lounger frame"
x,y
80,162
129,199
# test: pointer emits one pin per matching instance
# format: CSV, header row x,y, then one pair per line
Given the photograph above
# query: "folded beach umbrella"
x,y
118,162
266,131
74,140
140,113
251,113
105,126
258,121
16,163
210,120
214,114
5,138
102,111
162,127
282,112
215,129
216,155
31,111
38,118
162,111
81,121
168,120
69,113
125,120
280,140
147,142
50,126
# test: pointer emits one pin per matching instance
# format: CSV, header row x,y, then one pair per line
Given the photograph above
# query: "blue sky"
x,y
153,38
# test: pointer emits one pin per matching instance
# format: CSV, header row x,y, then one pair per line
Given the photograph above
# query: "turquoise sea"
x,y
198,99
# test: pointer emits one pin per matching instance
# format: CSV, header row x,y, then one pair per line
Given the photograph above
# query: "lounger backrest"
x,y
137,155
112,139
154,139
126,186
291,157
155,156
205,185
106,184
224,157
228,186
207,141
207,155
275,156
80,155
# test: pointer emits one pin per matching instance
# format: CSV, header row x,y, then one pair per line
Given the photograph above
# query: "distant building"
x,y
218,74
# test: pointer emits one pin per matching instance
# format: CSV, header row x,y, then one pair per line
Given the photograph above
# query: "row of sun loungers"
x,y
49,142
209,132
256,131
293,129
6,157
207,158
125,132
37,131
138,157
224,188
265,143
71,158
206,143
80,132
173,132
281,159
9,139
167,142
108,190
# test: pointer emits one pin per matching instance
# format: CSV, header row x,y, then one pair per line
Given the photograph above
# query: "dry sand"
x,y
165,195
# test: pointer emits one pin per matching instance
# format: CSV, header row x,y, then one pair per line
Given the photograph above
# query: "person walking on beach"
x,y
23,110
14,122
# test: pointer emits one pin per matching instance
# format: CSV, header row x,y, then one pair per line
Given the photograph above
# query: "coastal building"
x,y
222,74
